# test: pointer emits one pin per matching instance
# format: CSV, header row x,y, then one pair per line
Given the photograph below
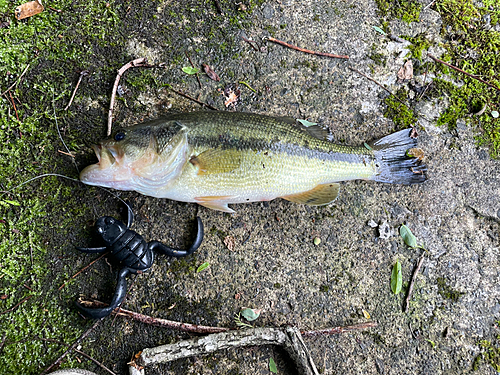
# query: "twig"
x,y
14,104
339,330
83,269
61,138
251,43
191,62
429,5
17,81
82,74
132,64
184,327
289,338
413,278
462,71
16,305
78,351
3,341
66,153
379,84
271,39
71,347
191,98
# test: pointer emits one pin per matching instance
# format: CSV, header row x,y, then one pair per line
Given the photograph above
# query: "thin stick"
x,y
14,104
82,74
3,341
78,351
83,269
197,77
132,64
339,330
16,305
413,278
61,138
251,43
71,347
193,99
66,153
379,84
462,71
17,81
184,327
277,41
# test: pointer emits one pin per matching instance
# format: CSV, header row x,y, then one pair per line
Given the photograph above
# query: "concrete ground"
x,y
274,264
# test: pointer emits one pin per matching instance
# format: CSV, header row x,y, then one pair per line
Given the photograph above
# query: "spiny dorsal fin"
x,y
216,161
319,196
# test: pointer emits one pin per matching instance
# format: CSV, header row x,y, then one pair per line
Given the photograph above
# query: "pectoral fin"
x,y
216,161
319,196
215,203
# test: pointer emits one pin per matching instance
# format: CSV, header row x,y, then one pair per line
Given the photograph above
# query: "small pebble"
x,y
317,241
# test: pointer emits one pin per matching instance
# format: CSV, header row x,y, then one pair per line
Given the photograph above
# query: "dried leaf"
x,y
250,314
272,366
408,236
202,267
230,242
406,71
190,70
366,314
396,278
232,95
415,153
210,73
28,9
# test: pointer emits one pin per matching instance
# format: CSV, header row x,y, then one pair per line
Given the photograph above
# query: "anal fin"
x,y
318,196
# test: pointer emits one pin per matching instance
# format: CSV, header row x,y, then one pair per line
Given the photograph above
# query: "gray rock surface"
x,y
275,265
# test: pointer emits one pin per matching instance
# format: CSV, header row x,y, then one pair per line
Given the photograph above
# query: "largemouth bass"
x,y
219,158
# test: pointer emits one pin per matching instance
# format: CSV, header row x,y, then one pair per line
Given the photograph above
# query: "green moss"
x,y
402,116
447,292
491,355
324,288
407,10
379,58
418,44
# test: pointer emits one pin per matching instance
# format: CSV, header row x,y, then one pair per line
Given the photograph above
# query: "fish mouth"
x,y
107,171
105,156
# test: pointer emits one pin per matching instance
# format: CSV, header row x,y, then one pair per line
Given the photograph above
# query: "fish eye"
x,y
119,136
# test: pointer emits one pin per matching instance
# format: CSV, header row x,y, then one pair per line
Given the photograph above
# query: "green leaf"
x,y
272,366
408,236
14,203
379,30
190,70
396,278
202,267
367,146
306,123
250,314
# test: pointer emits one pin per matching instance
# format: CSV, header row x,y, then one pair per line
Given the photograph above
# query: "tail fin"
x,y
395,166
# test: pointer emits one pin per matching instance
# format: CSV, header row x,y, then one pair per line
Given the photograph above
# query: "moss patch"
x,y
402,115
491,355
407,10
448,292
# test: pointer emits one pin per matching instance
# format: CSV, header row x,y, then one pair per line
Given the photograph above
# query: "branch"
x,y
462,71
412,282
277,41
184,327
290,338
132,64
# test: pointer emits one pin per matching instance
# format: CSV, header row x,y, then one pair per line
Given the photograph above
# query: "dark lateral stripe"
x,y
289,149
